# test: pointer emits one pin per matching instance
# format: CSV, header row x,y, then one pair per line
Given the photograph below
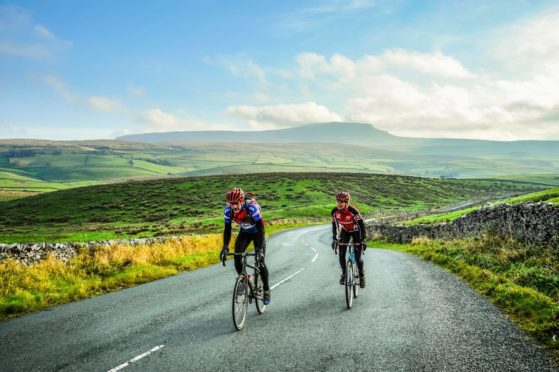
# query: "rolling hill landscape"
x,y
122,129
29,167
195,204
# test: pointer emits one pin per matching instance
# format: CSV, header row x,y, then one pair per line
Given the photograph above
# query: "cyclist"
x,y
348,220
249,216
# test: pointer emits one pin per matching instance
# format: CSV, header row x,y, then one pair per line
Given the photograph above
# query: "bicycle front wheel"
x,y
355,283
349,285
259,295
240,302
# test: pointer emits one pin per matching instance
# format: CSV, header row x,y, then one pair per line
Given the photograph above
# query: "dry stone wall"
x,y
30,253
531,223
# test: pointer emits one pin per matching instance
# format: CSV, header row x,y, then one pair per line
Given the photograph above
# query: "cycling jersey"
x,y
352,227
348,219
251,222
246,217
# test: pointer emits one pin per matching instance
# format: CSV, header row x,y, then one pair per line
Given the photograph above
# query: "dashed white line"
x,y
286,279
136,358
315,257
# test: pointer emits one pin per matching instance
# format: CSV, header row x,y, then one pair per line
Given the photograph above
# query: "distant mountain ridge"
x,y
31,166
320,132
363,135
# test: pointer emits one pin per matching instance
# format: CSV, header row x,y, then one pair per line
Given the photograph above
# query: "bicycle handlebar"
x,y
237,254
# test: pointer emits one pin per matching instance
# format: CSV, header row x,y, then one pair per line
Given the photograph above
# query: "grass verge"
x,y
522,281
24,289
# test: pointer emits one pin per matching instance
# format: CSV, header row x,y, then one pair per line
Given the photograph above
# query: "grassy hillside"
x,y
30,167
548,196
171,206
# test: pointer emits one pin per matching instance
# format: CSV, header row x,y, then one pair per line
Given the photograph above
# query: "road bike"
x,y
352,275
248,288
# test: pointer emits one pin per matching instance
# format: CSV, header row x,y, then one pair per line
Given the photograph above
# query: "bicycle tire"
x,y
259,295
349,285
356,283
240,302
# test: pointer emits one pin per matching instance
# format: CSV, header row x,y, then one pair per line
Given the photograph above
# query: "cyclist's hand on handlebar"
x,y
364,244
335,246
223,254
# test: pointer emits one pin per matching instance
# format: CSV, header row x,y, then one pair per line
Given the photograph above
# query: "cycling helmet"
x,y
342,196
235,195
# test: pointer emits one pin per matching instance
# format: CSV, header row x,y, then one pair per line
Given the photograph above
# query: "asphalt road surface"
x,y
412,316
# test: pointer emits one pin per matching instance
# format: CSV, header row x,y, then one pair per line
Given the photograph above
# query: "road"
x,y
412,316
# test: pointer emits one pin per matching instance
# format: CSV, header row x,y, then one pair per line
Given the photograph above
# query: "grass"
x,y
50,165
51,282
523,281
195,204
548,196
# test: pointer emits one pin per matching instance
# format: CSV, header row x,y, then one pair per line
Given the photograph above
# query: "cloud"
x,y
433,64
529,45
240,67
137,91
20,36
105,104
422,94
7,131
283,115
59,86
313,66
161,121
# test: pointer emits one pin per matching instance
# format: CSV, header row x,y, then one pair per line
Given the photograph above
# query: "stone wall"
x,y
531,223
30,253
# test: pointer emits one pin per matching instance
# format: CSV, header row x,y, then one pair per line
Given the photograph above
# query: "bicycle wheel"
x,y
259,295
240,302
356,283
349,285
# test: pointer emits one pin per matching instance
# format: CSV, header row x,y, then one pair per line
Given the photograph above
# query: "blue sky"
x,y
462,69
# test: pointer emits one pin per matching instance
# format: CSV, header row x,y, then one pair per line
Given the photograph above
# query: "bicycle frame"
x,y
247,288
352,274
249,277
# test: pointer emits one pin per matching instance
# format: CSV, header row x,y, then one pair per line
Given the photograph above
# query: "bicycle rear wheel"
x,y
349,285
240,302
259,294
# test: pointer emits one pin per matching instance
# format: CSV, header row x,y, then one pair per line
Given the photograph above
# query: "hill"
x,y
364,134
195,204
29,167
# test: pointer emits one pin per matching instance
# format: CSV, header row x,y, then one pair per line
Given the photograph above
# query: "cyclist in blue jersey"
x,y
249,217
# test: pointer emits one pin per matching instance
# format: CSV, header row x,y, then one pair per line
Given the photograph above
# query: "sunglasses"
x,y
341,201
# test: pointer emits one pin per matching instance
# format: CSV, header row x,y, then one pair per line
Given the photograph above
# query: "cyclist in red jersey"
x,y
347,220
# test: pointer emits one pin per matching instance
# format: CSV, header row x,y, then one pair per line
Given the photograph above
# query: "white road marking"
x,y
286,279
315,257
136,358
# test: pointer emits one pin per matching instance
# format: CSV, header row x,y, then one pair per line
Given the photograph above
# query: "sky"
x,y
77,70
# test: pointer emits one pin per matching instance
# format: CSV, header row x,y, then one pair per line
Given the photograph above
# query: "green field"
x,y
195,204
548,196
30,167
